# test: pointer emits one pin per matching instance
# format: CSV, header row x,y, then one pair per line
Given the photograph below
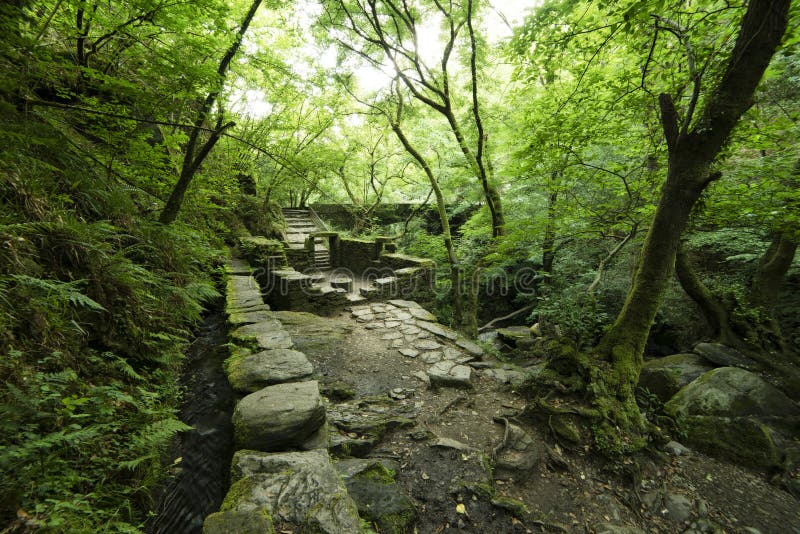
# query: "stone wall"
x,y
280,428
263,254
357,255
342,216
300,259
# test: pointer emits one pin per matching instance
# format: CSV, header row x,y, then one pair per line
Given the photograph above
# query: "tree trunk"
x,y
768,278
691,153
193,158
549,241
714,312
464,308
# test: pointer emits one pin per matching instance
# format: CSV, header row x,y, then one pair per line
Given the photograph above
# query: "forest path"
x,y
444,456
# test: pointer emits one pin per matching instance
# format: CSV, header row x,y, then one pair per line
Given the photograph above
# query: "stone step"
x,y
299,491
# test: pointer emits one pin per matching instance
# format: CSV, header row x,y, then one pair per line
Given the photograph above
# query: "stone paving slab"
x,y
278,417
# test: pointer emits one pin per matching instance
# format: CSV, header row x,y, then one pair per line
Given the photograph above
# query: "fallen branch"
x,y
511,315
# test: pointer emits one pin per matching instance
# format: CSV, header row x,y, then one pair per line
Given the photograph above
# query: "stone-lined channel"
x,y
205,452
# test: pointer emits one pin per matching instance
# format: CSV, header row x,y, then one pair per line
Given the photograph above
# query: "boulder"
x,y
515,336
450,373
250,372
239,522
264,335
731,392
380,500
279,417
724,413
300,491
724,356
519,455
663,377
741,439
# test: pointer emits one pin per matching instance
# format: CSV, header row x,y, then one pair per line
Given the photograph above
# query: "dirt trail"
x,y
453,483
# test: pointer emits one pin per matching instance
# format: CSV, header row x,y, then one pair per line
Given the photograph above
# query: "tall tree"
x,y
387,34
693,144
196,151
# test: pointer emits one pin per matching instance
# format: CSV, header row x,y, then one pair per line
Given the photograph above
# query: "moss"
x,y
239,491
240,522
741,439
565,428
237,354
377,472
514,506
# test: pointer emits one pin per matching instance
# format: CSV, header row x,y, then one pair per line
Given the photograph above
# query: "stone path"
x,y
291,417
282,475
413,332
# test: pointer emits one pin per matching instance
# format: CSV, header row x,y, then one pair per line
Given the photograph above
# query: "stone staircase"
x,y
300,223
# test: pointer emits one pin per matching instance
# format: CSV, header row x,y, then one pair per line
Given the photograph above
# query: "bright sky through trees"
x,y
501,17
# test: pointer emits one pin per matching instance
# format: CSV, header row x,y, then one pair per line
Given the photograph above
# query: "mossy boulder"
x,y
279,417
239,522
265,335
741,439
725,411
379,498
248,315
664,377
724,356
516,336
249,372
731,392
300,491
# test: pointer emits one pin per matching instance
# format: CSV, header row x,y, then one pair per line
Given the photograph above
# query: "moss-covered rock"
x,y
379,499
239,522
278,417
265,335
742,439
731,392
249,372
515,336
300,491
664,377
263,253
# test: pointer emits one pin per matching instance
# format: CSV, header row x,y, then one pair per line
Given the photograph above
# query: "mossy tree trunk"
x,y
769,276
691,153
715,313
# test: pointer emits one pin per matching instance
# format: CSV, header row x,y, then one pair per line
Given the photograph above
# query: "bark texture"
x,y
691,152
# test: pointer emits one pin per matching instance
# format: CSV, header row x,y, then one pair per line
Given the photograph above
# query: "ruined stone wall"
x,y
357,255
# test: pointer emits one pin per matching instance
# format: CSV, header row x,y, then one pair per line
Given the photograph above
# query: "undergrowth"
x,y
97,303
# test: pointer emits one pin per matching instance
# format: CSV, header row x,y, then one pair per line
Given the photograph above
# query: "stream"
x,y
202,479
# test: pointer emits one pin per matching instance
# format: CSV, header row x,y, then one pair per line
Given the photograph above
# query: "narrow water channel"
x,y
202,480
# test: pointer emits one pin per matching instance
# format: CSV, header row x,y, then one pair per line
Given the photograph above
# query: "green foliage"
x,y
96,306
